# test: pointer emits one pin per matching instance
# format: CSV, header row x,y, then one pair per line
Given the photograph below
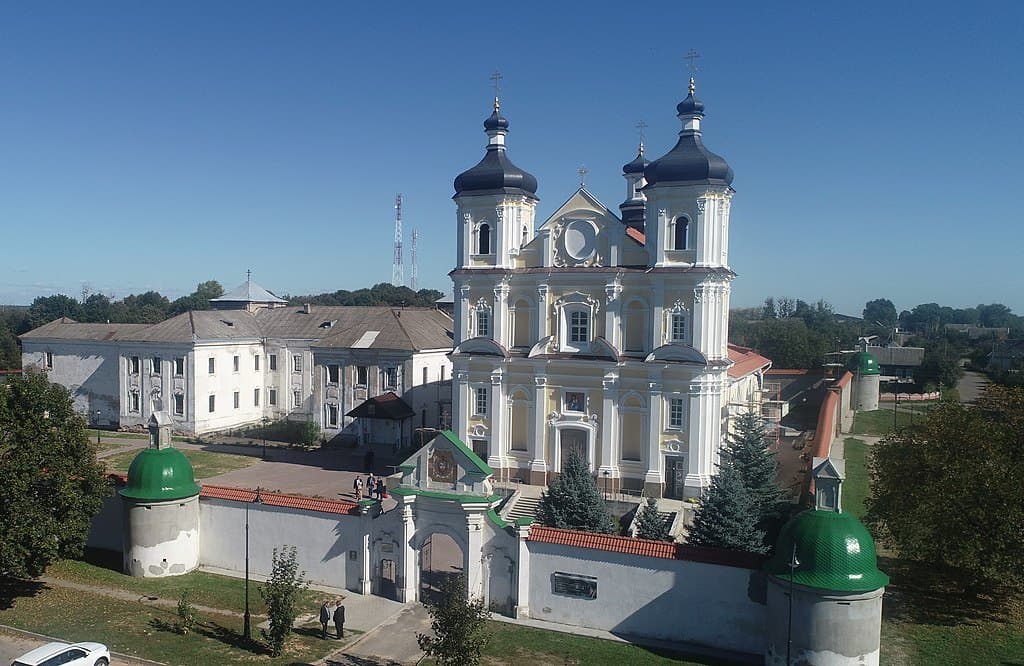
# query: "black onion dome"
x,y
689,160
496,121
637,165
495,172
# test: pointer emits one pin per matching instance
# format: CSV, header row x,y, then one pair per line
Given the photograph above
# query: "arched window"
x,y
483,236
483,323
677,324
679,233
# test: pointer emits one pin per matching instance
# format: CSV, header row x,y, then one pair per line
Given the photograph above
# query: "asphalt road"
x,y
971,386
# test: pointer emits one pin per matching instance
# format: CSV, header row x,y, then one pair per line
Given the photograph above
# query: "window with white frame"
x,y
234,364
676,413
677,324
332,415
333,373
237,399
211,366
579,327
212,403
179,366
272,397
156,364
296,398
482,319
256,397
272,360
480,396
679,232
256,362
576,321
297,363
362,375
133,401
49,360
133,365
483,239
179,404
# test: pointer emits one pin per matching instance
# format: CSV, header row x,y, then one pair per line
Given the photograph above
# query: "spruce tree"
x,y
747,450
726,517
573,501
650,524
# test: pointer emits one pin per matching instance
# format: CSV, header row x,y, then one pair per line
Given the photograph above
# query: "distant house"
x,y
899,363
976,332
1007,355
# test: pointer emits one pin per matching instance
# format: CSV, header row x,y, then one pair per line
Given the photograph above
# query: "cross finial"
x,y
248,275
496,78
641,126
583,171
692,66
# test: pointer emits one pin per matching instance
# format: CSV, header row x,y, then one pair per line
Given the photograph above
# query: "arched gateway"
x,y
446,524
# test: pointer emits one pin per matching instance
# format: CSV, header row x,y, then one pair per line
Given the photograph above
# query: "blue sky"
x,y
877,146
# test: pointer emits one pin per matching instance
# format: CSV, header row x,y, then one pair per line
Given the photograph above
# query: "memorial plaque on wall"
x,y
573,585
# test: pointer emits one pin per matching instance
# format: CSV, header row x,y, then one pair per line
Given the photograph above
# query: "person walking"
x,y
339,619
325,619
371,486
357,490
382,488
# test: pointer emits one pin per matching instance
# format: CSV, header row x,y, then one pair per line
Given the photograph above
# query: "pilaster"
x,y
705,431
498,450
653,479
407,585
474,552
541,322
613,314
500,330
609,468
538,460
522,607
461,398
461,313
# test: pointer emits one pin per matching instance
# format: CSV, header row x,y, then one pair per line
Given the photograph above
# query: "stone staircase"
x,y
521,507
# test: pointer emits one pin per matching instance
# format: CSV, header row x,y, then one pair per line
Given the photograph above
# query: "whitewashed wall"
x,y
676,600
323,540
88,369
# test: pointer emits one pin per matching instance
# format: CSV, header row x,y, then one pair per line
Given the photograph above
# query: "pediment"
x,y
828,468
582,231
446,465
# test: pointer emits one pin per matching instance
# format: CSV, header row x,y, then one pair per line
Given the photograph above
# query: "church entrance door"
x,y
572,440
675,468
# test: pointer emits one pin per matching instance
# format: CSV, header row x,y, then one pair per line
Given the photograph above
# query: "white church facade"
x,y
594,333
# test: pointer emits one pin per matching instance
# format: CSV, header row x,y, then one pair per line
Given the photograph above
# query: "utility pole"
x,y
414,271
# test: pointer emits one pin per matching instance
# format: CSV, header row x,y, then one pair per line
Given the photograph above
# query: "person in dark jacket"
x,y
325,619
339,619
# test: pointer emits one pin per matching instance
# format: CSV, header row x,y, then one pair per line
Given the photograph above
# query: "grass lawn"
x,y
524,646
205,463
143,630
879,422
103,570
111,434
855,488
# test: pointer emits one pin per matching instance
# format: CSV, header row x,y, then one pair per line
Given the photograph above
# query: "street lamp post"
x,y
895,408
98,412
606,473
265,420
246,629
793,564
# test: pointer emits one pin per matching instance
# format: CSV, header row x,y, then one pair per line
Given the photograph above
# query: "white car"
x,y
63,654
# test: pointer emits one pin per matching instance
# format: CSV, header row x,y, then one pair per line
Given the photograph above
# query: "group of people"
x,y
375,488
332,610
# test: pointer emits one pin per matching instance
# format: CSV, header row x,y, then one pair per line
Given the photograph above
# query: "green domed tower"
x,y
824,586
866,375
161,508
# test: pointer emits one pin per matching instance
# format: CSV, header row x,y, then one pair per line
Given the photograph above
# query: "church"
x,y
599,334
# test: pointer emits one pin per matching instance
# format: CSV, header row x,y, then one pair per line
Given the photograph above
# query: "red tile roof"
x,y
318,504
745,361
630,546
636,235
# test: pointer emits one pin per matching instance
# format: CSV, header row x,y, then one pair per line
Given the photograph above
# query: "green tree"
x,y
650,524
726,517
573,501
281,594
186,614
458,624
947,490
746,449
309,433
880,310
51,485
45,309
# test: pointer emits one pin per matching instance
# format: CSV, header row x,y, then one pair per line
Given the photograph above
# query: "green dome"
x,y
864,363
834,550
160,474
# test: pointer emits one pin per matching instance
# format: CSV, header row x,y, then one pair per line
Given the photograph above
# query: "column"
x,y
702,238
499,423
609,468
500,333
461,313
365,581
613,315
538,461
407,583
473,558
522,607
461,399
703,319
653,477
541,320
658,315
705,432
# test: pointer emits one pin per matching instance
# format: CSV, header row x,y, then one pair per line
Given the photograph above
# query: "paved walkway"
x,y
971,386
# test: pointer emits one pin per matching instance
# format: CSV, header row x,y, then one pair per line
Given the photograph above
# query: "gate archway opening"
x,y
441,559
